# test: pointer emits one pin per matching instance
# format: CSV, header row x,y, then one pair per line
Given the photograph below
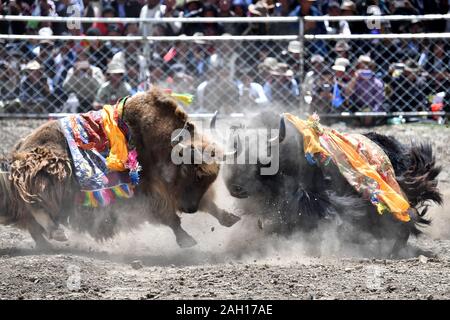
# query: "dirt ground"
x,y
227,263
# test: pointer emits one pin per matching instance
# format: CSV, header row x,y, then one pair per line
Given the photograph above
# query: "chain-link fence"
x,y
232,74
377,75
74,76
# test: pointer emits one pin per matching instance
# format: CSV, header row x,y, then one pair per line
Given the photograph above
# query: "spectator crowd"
x,y
358,75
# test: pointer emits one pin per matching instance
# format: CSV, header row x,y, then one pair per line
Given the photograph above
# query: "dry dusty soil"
x,y
229,263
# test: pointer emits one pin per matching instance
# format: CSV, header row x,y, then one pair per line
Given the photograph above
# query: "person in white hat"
x,y
340,65
35,88
341,78
84,80
314,77
364,62
114,89
365,90
281,88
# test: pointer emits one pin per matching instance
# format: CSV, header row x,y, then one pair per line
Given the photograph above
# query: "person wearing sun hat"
x,y
314,75
115,88
365,90
281,88
35,88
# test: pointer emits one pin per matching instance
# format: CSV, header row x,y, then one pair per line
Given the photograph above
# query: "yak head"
x,y
264,159
167,144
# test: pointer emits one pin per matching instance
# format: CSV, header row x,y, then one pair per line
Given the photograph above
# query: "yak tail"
x,y
40,176
419,182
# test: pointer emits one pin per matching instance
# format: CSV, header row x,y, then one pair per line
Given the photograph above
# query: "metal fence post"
x,y
301,39
146,53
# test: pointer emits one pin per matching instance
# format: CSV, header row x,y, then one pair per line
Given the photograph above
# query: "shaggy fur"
x,y
41,177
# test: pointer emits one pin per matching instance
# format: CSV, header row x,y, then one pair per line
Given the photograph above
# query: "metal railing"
x,y
385,75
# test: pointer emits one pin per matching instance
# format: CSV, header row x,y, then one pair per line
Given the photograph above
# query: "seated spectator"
x,y
264,68
17,8
211,29
127,8
150,10
158,76
262,8
4,24
43,8
99,52
292,58
314,83
64,57
35,89
84,80
107,12
197,60
225,11
403,7
348,8
285,8
168,10
309,8
365,91
342,49
179,80
281,88
341,68
115,88
341,78
407,88
131,57
114,45
251,94
9,87
90,11
229,51
438,66
239,9
217,90
336,27
131,28
192,8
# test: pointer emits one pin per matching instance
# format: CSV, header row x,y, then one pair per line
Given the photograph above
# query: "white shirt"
x,y
255,92
147,28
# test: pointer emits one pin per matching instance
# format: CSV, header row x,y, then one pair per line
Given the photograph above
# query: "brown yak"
x,y
39,192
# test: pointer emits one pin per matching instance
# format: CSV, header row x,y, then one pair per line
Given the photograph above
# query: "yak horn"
x,y
281,133
212,127
237,149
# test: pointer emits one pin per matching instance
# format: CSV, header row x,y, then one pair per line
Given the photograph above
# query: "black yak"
x,y
301,196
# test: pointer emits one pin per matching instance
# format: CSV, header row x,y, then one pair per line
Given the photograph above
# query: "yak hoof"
x,y
59,235
228,219
184,240
43,245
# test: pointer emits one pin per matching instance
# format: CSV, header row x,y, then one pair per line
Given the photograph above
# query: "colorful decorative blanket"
x,y
99,144
361,161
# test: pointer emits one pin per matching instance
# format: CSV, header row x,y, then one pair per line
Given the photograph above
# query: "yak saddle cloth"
x,y
362,162
103,164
